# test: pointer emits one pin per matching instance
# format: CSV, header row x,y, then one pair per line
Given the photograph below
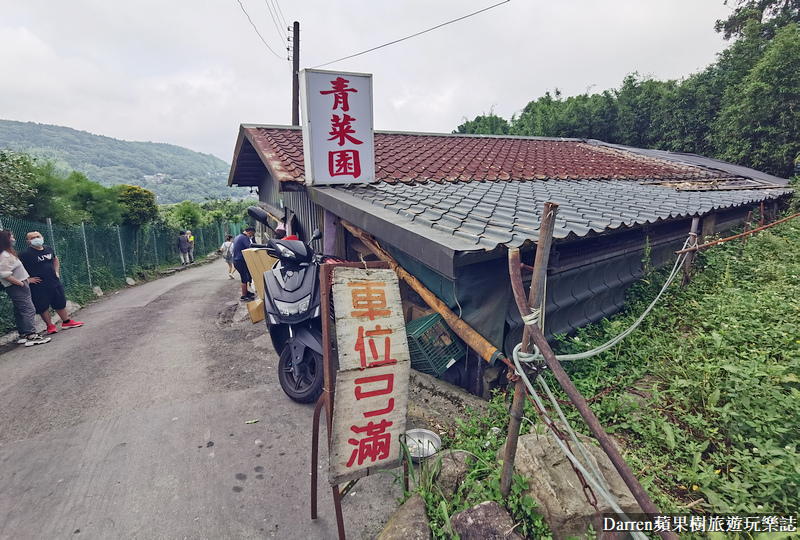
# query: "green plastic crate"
x,y
432,344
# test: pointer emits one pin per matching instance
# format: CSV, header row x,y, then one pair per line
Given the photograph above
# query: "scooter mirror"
x,y
258,214
316,234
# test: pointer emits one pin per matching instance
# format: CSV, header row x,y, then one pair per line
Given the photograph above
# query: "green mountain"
x,y
172,172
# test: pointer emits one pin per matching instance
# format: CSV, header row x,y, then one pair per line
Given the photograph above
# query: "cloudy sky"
x,y
188,72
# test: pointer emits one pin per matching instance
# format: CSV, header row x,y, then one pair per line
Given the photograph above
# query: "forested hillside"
x,y
744,108
171,172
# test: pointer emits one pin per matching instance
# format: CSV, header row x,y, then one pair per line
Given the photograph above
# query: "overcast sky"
x,y
188,72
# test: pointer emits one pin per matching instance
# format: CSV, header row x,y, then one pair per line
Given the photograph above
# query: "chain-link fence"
x,y
92,256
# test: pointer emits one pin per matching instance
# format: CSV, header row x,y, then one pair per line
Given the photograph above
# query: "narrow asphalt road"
x,y
136,426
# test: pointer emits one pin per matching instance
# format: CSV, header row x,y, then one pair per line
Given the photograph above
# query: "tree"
x,y
759,125
16,179
73,199
140,205
484,124
187,215
770,15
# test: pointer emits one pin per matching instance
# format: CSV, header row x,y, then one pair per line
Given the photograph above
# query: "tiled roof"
x,y
487,214
440,195
422,158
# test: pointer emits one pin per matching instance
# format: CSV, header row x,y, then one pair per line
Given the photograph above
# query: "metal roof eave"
x,y
433,248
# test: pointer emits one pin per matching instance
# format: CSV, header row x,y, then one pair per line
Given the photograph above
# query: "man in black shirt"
x,y
41,263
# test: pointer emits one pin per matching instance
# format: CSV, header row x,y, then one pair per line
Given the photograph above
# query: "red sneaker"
x,y
51,329
72,323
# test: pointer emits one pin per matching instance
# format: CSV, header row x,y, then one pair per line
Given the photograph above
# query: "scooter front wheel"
x,y
306,385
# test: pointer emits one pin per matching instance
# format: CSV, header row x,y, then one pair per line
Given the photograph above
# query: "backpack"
x,y
227,251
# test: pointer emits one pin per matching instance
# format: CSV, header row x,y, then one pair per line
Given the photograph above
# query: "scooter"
x,y
292,313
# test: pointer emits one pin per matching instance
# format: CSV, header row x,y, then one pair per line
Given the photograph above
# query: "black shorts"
x,y
47,295
241,267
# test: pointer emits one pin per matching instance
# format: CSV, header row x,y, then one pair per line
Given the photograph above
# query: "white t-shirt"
x,y
227,249
11,266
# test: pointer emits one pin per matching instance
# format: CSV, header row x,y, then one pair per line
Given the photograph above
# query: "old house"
x,y
449,206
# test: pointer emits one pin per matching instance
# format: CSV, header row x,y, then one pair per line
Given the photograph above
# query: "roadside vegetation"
x,y
702,398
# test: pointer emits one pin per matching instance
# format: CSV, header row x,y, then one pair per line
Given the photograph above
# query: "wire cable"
x,y
412,35
275,21
256,29
279,11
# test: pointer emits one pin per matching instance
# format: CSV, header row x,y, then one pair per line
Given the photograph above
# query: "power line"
x,y
280,13
256,29
412,35
275,21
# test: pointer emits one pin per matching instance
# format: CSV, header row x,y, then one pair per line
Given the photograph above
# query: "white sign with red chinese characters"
x,y
369,411
338,140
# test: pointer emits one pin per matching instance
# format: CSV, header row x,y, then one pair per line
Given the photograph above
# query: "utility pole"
x,y
296,74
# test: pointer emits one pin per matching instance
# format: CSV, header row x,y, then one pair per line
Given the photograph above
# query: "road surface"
x,y
136,426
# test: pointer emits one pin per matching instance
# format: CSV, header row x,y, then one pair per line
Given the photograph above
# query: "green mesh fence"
x,y
92,256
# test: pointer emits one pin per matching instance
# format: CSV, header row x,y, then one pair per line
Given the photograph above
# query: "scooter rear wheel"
x,y
307,386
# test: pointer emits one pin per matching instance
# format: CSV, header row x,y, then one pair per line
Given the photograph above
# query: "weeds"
x,y
719,421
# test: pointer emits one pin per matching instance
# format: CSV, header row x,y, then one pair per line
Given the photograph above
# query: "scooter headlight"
x,y
287,309
285,252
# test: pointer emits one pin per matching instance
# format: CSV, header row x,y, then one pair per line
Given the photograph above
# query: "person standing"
x,y
183,248
240,243
47,291
227,253
190,236
14,279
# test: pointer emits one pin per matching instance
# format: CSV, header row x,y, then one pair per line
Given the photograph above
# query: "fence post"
x,y
203,241
86,251
1,223
121,254
155,248
52,236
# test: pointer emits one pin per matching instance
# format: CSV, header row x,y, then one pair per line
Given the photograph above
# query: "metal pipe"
x,y
121,253
52,236
315,455
86,251
155,248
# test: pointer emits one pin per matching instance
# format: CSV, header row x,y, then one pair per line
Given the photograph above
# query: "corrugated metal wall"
x,y
309,214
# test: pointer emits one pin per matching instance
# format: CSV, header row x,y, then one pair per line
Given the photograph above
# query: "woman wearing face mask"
x,y
14,279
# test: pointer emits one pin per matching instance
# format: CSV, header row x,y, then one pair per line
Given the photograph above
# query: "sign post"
x,y
366,375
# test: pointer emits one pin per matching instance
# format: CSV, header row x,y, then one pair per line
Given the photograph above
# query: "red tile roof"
x,y
407,158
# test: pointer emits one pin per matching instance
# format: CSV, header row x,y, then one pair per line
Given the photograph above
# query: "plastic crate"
x,y
432,344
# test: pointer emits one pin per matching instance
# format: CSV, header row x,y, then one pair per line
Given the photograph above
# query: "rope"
x,y
594,477
537,357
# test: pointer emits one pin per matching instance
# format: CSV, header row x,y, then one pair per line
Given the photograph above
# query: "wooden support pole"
x,y
687,262
746,228
720,241
472,338
535,301
596,428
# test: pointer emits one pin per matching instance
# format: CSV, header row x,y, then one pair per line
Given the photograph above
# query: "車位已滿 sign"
x,y
369,412
338,140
